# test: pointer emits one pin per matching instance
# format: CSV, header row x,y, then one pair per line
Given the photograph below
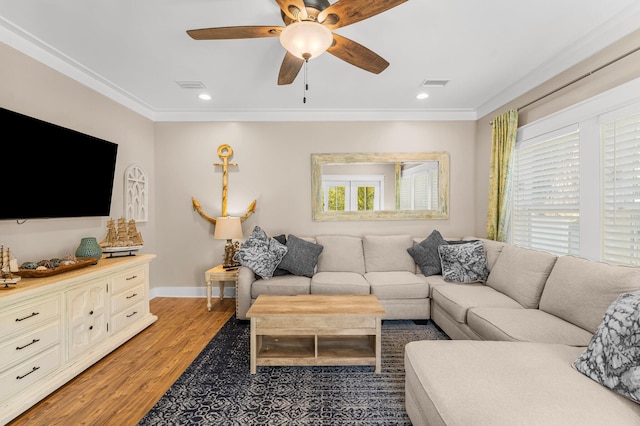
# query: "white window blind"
x,y
621,190
545,209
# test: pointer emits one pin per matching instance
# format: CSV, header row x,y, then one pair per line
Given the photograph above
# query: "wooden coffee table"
x,y
315,329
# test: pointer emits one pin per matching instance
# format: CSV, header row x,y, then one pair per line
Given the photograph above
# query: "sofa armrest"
x,y
246,277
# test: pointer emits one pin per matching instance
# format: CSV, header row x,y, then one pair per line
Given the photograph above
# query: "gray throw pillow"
x,y
425,254
464,263
302,256
261,253
613,355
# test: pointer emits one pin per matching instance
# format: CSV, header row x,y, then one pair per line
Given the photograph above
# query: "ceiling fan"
x,y
308,33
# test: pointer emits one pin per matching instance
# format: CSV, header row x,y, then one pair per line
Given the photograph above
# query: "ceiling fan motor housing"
x,y
313,7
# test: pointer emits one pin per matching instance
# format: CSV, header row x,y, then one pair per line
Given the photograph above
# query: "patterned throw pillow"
x,y
425,254
282,239
613,355
302,256
465,263
261,253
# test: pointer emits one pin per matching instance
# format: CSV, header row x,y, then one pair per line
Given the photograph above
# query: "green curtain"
x,y
503,140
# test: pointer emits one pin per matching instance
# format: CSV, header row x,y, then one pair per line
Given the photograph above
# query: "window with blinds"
x,y
545,194
620,140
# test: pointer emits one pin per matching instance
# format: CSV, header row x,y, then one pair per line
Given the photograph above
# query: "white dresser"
x,y
53,328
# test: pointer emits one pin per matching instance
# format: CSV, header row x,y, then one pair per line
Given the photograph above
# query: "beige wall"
x,y
601,72
274,168
28,87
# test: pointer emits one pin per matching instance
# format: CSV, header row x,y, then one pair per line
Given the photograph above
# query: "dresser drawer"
x,y
128,279
129,316
21,318
18,378
127,297
29,344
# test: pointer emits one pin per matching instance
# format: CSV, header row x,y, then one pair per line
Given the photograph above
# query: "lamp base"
x,y
230,249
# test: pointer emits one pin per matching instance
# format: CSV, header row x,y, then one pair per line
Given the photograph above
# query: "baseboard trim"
x,y
190,292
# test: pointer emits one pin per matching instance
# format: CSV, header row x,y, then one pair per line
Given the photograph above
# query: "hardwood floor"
x,y
123,386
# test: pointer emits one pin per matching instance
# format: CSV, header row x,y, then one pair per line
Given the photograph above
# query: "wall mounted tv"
x,y
48,171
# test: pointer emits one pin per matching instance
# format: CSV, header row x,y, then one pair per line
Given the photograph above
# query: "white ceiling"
x,y
491,51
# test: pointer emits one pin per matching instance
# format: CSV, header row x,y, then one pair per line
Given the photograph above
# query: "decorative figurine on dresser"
x,y
8,267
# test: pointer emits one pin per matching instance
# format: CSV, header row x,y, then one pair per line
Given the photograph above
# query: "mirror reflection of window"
x,y
352,192
419,186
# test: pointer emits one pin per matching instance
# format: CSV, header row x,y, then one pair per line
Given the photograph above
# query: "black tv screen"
x,y
49,171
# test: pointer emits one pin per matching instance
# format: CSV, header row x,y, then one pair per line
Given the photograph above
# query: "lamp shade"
x,y
228,228
306,39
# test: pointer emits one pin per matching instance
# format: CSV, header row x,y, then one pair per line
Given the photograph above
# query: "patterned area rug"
x,y
217,388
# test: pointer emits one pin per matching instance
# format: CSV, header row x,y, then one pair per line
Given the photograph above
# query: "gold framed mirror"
x,y
380,186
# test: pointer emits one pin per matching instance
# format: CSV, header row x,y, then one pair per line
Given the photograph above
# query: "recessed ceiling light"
x,y
205,96
422,95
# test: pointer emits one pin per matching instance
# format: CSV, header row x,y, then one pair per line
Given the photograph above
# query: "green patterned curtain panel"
x,y
503,140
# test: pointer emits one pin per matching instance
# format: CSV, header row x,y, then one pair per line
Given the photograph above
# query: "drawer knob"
x,y
131,277
33,314
28,344
90,327
25,375
134,312
133,295
90,312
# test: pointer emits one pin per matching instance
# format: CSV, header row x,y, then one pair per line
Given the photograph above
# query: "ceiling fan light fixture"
x,y
306,39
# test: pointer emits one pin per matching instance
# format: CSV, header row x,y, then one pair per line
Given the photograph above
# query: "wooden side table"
x,y
220,275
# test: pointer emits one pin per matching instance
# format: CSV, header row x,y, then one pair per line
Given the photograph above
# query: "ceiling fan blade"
x,y
289,69
227,33
293,8
349,12
357,55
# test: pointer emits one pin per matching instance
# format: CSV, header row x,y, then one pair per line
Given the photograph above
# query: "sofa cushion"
x,y
465,263
301,257
590,286
339,283
282,285
425,253
261,253
433,281
341,253
387,253
481,383
521,273
524,325
457,299
397,285
613,356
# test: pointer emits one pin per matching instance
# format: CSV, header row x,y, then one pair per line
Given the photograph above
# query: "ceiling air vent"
x,y
191,84
434,83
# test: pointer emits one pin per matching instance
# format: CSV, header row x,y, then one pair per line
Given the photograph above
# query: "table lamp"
x,y
228,228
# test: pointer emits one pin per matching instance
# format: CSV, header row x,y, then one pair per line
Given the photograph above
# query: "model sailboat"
x,y
122,237
7,268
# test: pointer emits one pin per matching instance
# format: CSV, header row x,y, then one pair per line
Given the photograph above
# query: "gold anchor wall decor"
x,y
224,152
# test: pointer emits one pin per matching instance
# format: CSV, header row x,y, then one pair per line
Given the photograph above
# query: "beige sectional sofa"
x,y
515,336
372,264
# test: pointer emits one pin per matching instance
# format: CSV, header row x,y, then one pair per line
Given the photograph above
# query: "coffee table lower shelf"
x,y
318,350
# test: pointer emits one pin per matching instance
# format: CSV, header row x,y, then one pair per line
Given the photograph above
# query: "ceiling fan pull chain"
x,y
306,84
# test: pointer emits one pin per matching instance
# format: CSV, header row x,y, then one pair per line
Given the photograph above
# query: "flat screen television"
x,y
48,171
